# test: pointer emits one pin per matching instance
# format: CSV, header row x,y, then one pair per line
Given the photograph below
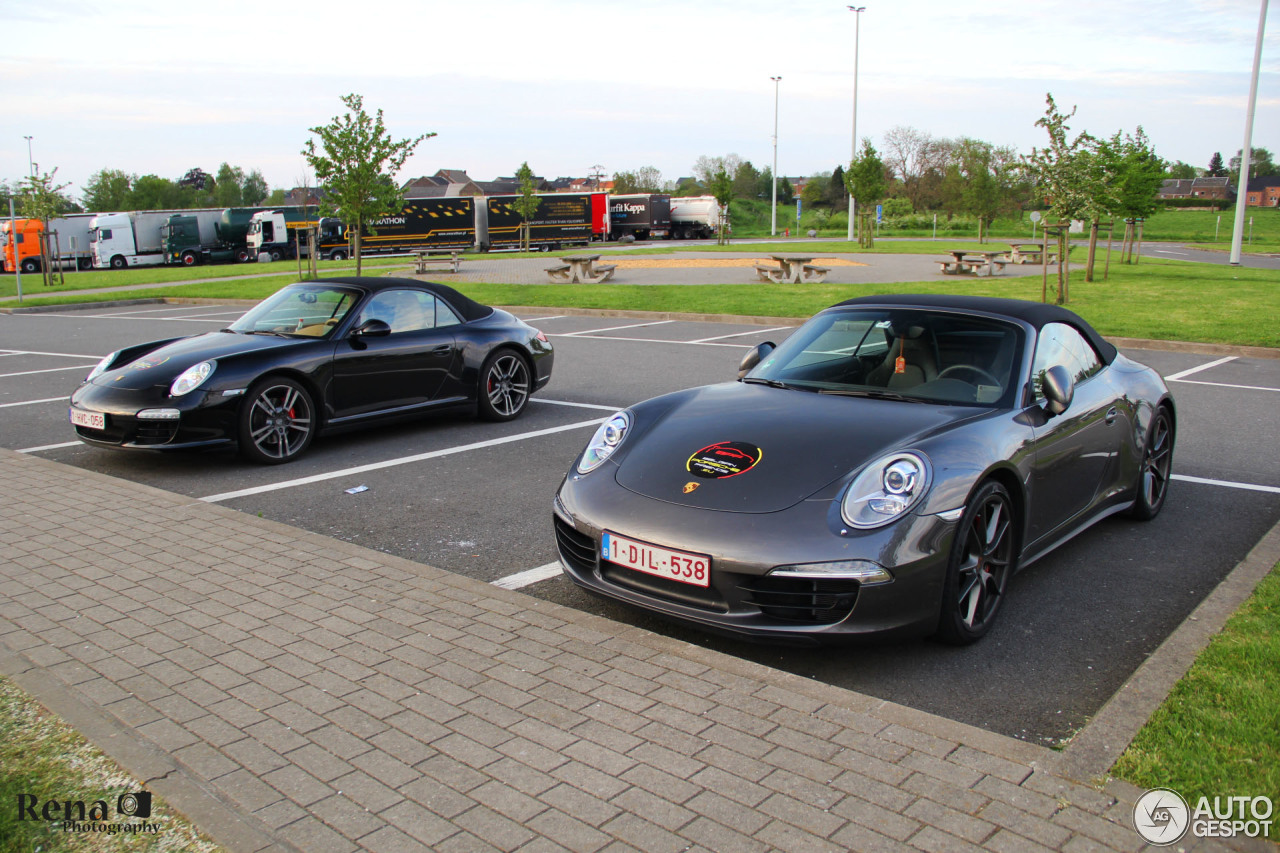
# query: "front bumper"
x,y
743,599
205,418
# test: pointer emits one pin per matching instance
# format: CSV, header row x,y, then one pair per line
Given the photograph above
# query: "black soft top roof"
x,y
1036,314
464,306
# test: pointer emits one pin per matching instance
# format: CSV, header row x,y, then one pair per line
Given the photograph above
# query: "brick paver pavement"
x,y
293,692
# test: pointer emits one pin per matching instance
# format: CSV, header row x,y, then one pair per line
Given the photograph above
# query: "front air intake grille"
x,y
156,432
578,549
804,600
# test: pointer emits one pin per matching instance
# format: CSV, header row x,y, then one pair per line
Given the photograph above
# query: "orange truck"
x,y
69,242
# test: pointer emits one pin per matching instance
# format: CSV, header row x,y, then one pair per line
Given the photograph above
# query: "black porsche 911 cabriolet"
x,y
316,356
885,470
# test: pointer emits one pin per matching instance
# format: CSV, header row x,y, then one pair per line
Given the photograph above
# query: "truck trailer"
x,y
206,236
695,217
641,216
68,243
562,219
134,238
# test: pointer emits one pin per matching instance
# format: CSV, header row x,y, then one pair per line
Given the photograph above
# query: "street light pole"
x,y
773,222
31,169
857,21
1242,189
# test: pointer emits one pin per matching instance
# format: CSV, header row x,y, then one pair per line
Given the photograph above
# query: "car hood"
x,y
162,365
756,449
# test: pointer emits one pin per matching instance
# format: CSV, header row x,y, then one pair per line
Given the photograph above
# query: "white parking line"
x,y
33,402
143,311
118,317
1226,385
1191,370
586,336
540,319
58,354
613,329
392,463
529,577
48,370
1275,490
575,405
740,334
48,447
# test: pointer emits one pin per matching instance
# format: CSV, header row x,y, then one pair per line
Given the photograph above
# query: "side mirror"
x,y
754,356
373,328
1058,388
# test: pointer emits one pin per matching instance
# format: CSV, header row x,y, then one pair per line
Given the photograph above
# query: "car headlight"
x,y
101,367
886,489
606,440
191,379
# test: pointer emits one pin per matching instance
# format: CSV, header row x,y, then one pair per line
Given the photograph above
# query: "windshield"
x,y
912,354
308,310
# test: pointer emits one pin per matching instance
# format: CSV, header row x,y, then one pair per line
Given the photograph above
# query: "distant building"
x,y
446,183
1263,192
309,196
1210,188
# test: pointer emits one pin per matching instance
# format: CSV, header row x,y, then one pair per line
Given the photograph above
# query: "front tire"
x,y
30,265
188,259
118,262
1157,465
337,255
277,421
504,386
983,559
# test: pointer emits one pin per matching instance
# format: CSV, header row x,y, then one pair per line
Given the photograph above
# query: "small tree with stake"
x,y
42,199
357,162
527,204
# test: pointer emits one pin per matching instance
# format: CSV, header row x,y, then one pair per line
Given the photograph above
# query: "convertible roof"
x,y
1036,314
464,306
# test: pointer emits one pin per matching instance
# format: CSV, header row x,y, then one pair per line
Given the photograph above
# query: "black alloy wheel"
x,y
277,421
982,561
504,386
1157,465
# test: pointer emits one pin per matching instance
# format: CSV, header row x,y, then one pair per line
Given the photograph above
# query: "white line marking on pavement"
x,y
540,319
48,370
33,402
117,317
1226,483
1225,385
392,463
530,577
614,328
59,354
48,447
1167,252
576,405
1189,371
585,336
741,334
142,311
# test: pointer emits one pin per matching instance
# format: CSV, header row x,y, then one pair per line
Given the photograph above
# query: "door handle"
x,y
443,349
1111,415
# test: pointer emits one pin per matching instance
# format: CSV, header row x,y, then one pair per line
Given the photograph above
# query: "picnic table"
x,y
581,269
425,257
1032,255
967,260
793,269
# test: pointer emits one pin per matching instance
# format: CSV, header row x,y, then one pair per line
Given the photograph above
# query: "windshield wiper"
x,y
267,332
874,393
773,383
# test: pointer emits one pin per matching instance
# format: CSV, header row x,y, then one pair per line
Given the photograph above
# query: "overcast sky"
x,y
160,87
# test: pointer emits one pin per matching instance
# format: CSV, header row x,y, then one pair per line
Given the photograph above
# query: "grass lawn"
x,y
1218,732
41,756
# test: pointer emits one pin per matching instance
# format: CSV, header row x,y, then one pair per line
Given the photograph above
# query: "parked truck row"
x,y
238,234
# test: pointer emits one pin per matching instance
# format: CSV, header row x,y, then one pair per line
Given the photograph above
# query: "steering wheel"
x,y
975,370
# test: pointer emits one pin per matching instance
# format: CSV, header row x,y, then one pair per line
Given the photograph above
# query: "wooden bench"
x,y
815,273
422,260
559,273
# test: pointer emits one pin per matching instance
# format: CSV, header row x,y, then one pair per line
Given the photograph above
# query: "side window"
x,y
402,310
445,315
1060,344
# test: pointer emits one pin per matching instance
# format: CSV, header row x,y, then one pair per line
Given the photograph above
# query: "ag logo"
x,y
724,459
1161,816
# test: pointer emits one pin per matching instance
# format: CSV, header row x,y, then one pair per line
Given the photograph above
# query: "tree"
x,y
1181,171
196,178
1261,164
527,203
918,160
1216,168
835,197
357,164
255,189
42,199
228,186
721,186
108,190
982,181
815,189
786,192
705,168
865,181
151,192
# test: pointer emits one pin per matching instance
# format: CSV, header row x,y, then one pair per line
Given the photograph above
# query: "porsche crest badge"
x,y
690,486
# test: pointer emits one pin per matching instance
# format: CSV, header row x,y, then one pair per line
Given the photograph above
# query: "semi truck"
x,y
208,236
274,231
68,243
695,217
641,216
134,238
562,219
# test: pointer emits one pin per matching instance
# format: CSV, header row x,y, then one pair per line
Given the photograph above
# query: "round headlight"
x,y
608,436
885,490
101,367
191,379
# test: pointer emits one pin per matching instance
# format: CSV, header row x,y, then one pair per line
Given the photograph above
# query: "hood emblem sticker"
x,y
722,460
691,486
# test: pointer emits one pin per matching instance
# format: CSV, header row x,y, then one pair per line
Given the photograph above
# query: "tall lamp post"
x,y
1242,190
857,21
31,169
773,222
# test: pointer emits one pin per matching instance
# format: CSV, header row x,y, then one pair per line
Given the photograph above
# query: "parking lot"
x,y
474,498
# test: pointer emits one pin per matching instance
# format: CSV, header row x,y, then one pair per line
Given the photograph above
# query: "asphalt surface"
x,y
474,499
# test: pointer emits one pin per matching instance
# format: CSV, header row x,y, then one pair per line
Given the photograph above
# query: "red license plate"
x,y
91,420
682,566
